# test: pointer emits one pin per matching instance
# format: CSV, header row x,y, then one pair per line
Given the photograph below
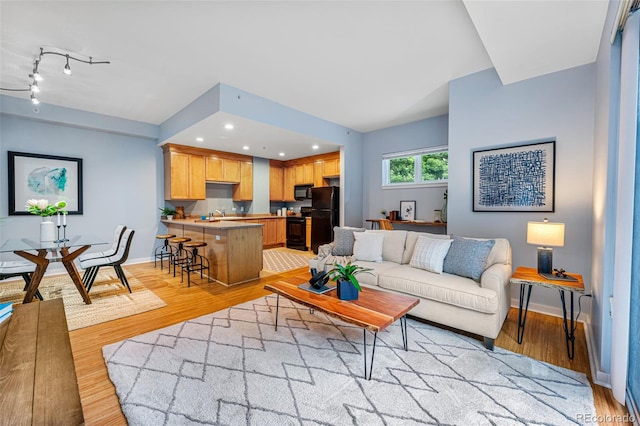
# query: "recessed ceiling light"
x,y
246,148
228,126
315,147
281,154
199,139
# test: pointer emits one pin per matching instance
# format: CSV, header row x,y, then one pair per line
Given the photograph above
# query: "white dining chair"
x,y
111,251
91,266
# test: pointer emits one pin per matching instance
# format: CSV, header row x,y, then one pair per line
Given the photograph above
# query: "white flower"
x,y
31,203
43,204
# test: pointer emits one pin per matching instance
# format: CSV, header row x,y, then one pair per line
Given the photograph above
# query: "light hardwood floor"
x,y
543,340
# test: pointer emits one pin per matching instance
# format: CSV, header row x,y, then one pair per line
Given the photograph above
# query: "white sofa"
x,y
452,300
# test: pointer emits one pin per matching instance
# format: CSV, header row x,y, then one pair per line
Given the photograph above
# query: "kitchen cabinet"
x,y
223,170
331,168
308,224
273,231
299,179
243,191
318,174
184,176
276,183
289,183
281,231
308,172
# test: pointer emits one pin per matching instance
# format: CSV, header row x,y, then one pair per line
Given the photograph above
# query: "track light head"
x,y
34,100
36,74
34,87
67,68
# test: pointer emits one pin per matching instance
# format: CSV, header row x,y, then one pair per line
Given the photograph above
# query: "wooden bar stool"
x,y
195,262
180,255
165,250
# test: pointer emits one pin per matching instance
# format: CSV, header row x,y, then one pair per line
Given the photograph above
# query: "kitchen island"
x,y
234,247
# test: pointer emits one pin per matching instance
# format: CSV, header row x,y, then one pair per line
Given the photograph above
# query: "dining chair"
x,y
92,266
111,251
386,224
22,269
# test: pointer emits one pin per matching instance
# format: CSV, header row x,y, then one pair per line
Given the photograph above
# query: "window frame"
x,y
417,177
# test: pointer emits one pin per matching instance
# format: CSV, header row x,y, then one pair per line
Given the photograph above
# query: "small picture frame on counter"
x,y
408,210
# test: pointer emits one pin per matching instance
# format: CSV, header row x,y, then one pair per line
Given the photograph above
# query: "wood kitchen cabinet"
x,y
184,176
331,167
244,190
281,231
223,170
318,174
308,224
276,183
289,183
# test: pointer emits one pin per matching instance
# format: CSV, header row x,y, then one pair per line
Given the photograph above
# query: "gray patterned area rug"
x,y
233,368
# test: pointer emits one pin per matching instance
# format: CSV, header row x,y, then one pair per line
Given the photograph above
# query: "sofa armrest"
x,y
496,277
325,250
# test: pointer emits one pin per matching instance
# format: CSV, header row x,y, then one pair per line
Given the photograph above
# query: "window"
x,y
425,167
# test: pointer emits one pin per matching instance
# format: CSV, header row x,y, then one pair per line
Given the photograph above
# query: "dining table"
x,y
49,252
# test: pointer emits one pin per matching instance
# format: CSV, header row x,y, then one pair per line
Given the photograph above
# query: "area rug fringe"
x,y
232,367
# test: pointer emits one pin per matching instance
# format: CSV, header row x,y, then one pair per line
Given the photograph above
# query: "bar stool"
x,y
164,250
195,262
180,256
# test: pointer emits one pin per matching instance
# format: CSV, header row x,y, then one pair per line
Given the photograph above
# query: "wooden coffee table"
x,y
374,310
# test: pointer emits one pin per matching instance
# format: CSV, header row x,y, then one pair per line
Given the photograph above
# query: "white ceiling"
x,y
364,65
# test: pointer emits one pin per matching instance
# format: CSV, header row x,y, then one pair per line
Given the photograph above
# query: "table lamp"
x,y
545,234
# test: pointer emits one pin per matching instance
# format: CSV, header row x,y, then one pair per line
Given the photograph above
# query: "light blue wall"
x,y
483,114
604,195
122,174
204,106
419,134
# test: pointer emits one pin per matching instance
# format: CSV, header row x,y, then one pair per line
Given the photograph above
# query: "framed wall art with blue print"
x,y
515,179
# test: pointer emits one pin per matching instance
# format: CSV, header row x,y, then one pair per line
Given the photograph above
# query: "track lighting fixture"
x,y
36,76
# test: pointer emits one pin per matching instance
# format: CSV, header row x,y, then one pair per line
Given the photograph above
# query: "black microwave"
x,y
302,192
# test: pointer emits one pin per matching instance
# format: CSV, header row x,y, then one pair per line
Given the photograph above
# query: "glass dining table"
x,y
48,252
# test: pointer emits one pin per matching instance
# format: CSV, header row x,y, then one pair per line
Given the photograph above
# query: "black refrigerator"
x,y
325,214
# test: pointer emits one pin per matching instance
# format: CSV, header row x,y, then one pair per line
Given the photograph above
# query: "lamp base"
x,y
545,260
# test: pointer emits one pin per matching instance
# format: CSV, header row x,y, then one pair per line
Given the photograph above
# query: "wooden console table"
x,y
37,374
375,223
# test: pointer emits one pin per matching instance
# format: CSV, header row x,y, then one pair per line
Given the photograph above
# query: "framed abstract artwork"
x,y
515,179
37,176
407,210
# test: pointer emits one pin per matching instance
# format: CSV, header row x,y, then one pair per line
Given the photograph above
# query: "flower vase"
x,y
347,291
47,230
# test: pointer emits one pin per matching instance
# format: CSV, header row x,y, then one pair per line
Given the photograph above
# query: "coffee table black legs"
x,y
405,345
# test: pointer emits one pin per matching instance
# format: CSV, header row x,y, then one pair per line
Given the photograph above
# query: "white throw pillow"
x,y
368,246
429,254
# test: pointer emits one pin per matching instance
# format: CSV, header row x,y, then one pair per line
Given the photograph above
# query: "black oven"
x,y
296,232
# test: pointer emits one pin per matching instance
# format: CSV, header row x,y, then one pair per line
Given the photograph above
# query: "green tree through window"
x,y
435,166
402,170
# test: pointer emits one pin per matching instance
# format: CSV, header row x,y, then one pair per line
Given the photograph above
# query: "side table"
x,y
527,278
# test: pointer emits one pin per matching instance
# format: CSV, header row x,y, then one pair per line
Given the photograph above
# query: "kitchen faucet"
x,y
220,212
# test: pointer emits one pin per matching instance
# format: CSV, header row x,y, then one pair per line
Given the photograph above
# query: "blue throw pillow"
x,y
467,257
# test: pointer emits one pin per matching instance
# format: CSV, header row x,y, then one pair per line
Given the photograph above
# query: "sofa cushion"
x,y
377,268
393,245
429,254
412,238
368,246
467,257
445,288
343,239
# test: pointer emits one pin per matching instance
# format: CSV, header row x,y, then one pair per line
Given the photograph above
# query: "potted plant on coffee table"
x,y
345,278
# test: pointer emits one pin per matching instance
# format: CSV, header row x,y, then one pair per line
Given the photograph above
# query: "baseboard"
x,y
598,376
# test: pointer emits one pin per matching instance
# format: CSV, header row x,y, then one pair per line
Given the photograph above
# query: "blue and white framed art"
x,y
50,177
515,179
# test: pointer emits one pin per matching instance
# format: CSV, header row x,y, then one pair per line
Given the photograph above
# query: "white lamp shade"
x,y
545,234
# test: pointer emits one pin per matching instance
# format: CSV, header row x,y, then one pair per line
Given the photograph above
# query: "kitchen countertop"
x,y
218,224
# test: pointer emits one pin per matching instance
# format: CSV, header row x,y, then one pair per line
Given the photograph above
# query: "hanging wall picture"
x,y
515,179
37,176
